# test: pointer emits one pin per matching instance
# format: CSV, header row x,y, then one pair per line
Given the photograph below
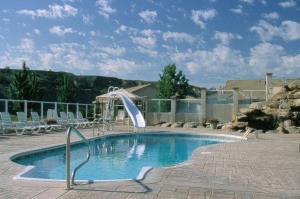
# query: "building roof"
x,y
104,97
136,88
245,84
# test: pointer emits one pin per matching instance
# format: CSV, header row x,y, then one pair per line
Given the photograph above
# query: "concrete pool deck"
x,y
268,167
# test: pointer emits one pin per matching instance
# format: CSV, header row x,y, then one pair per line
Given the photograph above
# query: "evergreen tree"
x,y
20,87
66,89
172,83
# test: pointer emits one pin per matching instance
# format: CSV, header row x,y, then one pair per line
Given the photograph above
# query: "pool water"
x,y
116,157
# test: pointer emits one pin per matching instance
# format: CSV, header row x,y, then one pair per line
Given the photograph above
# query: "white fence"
x,y
12,106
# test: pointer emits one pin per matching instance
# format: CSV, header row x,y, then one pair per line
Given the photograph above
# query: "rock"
x,y
277,90
239,125
295,103
295,116
177,125
227,127
270,132
293,95
294,85
284,113
280,96
245,110
190,125
293,130
273,103
240,117
257,105
287,123
281,130
167,124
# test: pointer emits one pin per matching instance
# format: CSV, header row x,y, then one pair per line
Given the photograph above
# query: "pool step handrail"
x,y
71,178
248,131
109,108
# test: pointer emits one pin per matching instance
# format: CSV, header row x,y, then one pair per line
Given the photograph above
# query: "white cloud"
x,y
118,67
288,4
199,17
288,30
115,51
53,11
146,42
27,44
61,30
225,37
247,1
265,57
178,37
147,51
87,19
37,31
237,10
271,15
105,8
148,16
6,20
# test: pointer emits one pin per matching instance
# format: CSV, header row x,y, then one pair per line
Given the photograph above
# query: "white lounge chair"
x,y
35,120
52,115
81,119
22,119
8,125
73,121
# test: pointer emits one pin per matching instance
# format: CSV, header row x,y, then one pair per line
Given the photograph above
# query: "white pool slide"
x,y
133,111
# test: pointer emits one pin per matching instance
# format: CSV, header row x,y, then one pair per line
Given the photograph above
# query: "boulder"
x,y
294,95
295,103
227,127
283,113
282,130
273,103
177,125
239,125
240,117
167,124
293,130
257,105
287,123
294,85
246,110
190,125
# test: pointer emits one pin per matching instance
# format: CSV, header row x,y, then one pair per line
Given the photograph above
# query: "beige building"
x,y
147,90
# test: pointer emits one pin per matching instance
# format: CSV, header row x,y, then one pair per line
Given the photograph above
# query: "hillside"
x,y
87,87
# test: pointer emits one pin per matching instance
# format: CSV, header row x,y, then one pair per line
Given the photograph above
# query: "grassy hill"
x,y
87,87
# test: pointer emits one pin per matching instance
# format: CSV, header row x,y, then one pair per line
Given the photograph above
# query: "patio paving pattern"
x,y
267,167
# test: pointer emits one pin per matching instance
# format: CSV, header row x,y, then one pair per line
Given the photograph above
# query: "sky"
x,y
211,41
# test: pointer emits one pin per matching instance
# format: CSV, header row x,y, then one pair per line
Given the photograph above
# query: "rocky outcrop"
x,y
281,113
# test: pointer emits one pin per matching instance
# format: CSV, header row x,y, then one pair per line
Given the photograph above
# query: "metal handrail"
x,y
70,179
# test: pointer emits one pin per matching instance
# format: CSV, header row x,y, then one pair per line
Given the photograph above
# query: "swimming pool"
x,y
115,157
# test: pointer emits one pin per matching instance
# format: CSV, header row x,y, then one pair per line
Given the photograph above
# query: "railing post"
x,y
268,85
55,106
67,107
94,110
146,99
25,107
173,109
203,104
235,100
6,106
77,109
86,111
68,154
42,110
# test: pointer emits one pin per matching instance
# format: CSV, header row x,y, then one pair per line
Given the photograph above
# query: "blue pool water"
x,y
116,157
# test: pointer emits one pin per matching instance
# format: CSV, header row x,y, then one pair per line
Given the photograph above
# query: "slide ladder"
x,y
132,110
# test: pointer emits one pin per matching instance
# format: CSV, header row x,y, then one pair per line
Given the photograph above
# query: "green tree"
x,y
66,89
25,85
172,83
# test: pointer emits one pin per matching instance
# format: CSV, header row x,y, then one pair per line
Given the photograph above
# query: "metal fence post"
x,y
42,110
235,100
203,104
86,111
268,85
25,107
173,109
55,106
6,105
77,109
67,107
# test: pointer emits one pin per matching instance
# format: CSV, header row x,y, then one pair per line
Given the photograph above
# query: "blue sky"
x,y
209,40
